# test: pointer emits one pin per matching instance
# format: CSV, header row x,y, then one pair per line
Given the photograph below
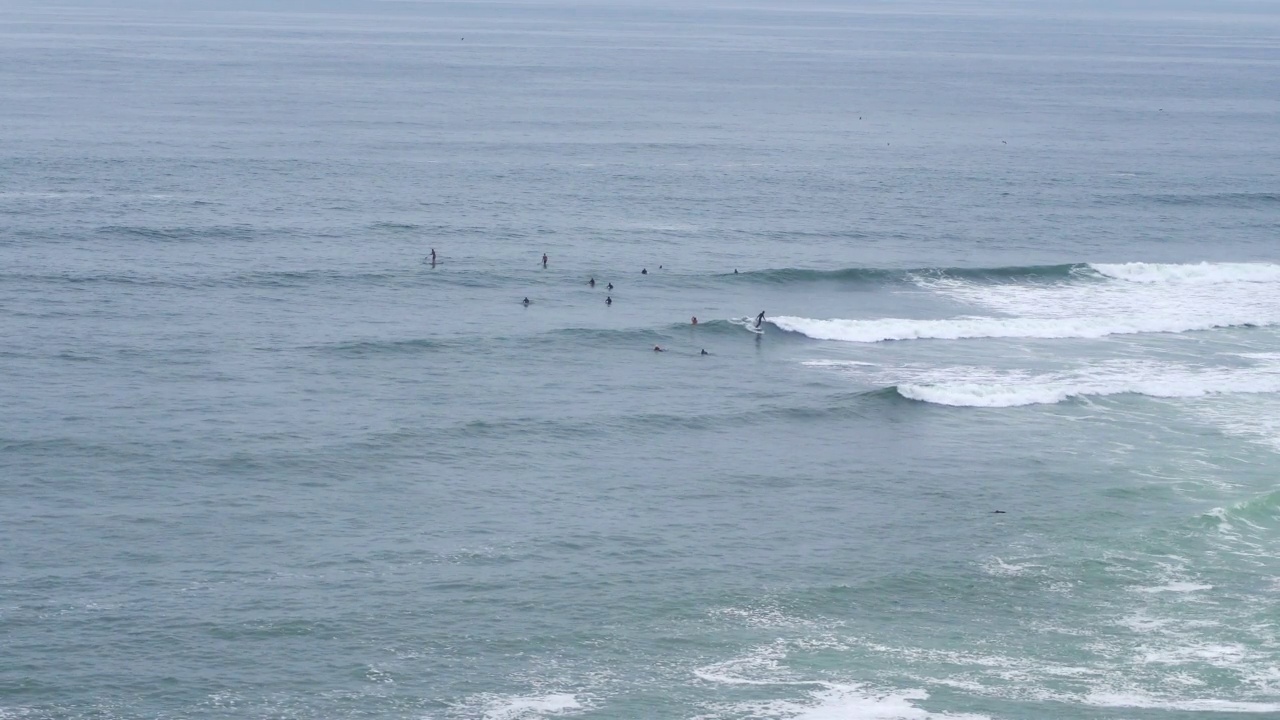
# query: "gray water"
x,y
260,458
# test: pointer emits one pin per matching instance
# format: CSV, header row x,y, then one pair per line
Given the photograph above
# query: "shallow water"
x,y
260,458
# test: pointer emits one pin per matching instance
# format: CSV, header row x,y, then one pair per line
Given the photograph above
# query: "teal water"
x,y
1005,447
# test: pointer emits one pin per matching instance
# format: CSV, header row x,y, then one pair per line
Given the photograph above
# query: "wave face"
x,y
1089,301
859,275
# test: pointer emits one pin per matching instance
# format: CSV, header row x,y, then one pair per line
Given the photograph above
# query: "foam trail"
x,y
521,708
1138,700
842,702
1190,273
872,331
748,324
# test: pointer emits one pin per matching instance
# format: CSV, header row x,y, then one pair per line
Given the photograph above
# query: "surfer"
x,y
644,271
694,320
658,349
592,282
760,318
735,271
609,286
704,352
544,259
526,302
608,301
433,256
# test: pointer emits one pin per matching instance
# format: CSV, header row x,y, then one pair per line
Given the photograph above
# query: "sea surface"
x,y
1005,447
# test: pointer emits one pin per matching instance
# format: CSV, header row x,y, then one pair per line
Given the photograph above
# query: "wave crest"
x,y
885,275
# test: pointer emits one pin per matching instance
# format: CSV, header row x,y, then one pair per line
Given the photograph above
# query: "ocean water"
x,y
1005,447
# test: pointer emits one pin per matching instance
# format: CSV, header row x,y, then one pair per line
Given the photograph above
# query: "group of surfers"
x,y
609,298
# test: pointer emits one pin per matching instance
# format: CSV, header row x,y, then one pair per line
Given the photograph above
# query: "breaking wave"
x,y
1150,379
1140,272
1198,273
881,330
781,276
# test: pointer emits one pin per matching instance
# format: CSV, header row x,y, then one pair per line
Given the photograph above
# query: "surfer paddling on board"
x,y
760,318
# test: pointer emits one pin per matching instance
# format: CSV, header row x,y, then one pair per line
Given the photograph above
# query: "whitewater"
x,y
1134,298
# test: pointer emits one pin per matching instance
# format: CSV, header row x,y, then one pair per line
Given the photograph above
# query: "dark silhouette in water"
x,y
658,349
544,259
760,318
644,271
704,352
608,301
526,302
609,286
694,320
592,282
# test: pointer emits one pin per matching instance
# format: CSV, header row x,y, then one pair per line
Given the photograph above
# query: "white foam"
x,y
1197,273
1255,419
1176,587
984,387
760,667
996,566
967,328
1135,699
1129,299
748,324
846,702
522,708
1132,298
1219,655
764,616
837,363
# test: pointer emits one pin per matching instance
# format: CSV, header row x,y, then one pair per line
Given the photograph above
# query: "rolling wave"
x,y
1190,273
1137,272
184,233
1122,299
1034,276
365,348
782,276
1152,380
882,330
